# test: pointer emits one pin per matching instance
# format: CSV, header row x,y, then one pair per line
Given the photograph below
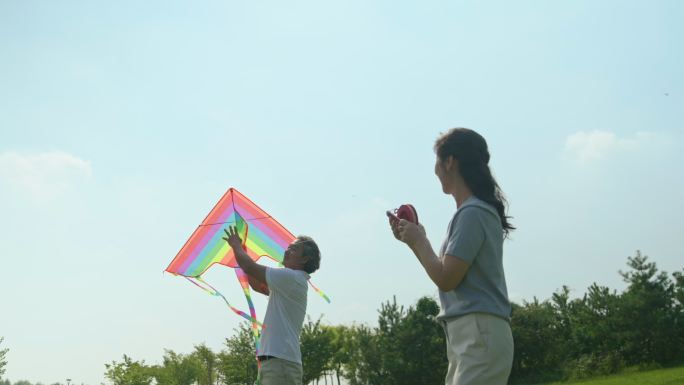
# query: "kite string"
x,y
247,219
216,293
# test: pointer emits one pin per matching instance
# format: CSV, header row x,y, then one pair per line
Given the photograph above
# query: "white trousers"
x,y
479,349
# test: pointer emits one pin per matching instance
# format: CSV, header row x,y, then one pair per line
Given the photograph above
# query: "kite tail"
x,y
243,228
211,291
244,282
317,290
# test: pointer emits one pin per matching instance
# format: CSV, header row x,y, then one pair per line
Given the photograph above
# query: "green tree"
x,y
678,333
597,334
339,341
534,332
316,350
564,322
649,312
407,347
365,357
3,358
128,372
559,338
387,333
602,331
177,369
237,364
207,360
679,288
422,343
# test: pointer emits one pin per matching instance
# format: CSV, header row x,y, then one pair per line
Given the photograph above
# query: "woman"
x,y
468,270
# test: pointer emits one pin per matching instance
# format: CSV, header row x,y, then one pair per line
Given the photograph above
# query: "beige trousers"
x,y
479,349
277,371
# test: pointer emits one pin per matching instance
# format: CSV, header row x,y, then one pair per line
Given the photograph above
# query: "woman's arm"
x,y
447,272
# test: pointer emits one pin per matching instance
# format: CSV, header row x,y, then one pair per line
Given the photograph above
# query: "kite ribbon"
x,y
322,294
212,291
243,230
244,282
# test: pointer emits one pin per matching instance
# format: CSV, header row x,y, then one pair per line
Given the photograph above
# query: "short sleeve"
x,y
467,235
281,279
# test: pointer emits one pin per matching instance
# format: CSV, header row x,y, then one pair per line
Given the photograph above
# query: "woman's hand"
x,y
409,232
405,231
394,224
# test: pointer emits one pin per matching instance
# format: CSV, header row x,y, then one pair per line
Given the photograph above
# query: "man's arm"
x,y
258,286
250,267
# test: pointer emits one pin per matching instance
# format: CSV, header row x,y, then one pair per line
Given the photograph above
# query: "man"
x,y
279,353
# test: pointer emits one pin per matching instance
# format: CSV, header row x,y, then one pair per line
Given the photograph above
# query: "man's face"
x,y
294,257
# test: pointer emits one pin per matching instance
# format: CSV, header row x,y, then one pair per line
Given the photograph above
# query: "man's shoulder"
x,y
287,273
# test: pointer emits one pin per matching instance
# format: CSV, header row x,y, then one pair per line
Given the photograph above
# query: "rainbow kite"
x,y
262,236
266,237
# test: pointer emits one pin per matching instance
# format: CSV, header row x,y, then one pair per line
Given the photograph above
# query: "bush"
x,y
590,365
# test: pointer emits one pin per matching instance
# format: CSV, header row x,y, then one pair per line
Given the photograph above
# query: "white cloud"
x,y
43,176
586,147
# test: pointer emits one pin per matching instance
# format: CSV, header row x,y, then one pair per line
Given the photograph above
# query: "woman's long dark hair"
x,y
470,149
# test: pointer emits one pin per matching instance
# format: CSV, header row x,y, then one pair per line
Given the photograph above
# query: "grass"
x,y
670,376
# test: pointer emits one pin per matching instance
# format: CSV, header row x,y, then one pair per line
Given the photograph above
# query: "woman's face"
x,y
443,175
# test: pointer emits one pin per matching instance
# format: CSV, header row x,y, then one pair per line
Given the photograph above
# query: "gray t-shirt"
x,y
475,235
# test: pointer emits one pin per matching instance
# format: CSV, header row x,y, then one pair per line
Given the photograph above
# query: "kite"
x,y
261,234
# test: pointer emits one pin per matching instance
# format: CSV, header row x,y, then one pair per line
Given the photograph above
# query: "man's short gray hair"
x,y
310,249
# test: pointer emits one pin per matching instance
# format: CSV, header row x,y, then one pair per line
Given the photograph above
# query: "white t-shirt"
x,y
284,314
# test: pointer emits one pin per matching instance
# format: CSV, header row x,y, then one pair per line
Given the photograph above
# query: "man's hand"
x,y
233,238
244,261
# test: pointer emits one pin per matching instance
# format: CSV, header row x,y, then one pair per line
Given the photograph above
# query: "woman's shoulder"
x,y
476,205
475,208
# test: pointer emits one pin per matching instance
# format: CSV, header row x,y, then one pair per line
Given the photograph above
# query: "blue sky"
x,y
122,123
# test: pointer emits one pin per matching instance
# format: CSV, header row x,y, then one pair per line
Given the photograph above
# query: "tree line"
x,y
561,338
